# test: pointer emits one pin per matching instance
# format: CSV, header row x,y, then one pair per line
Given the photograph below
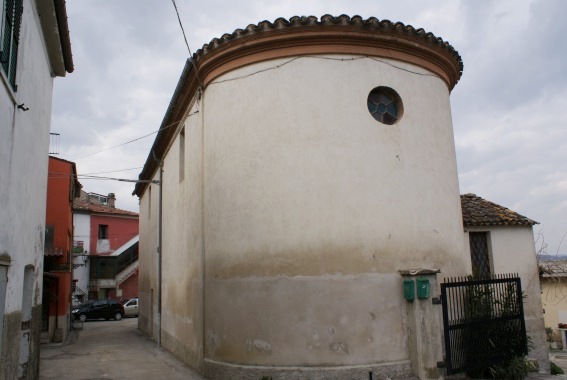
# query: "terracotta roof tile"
x,y
378,26
82,205
480,212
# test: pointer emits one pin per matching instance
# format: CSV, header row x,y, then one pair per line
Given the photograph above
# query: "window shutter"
x,y
11,39
7,34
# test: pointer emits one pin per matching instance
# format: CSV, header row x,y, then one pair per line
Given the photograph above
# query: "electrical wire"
x,y
256,72
187,43
114,171
322,58
67,175
136,139
280,65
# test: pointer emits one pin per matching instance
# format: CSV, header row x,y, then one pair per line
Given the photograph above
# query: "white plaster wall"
x,y
24,144
512,250
182,327
147,280
554,301
82,230
310,207
304,190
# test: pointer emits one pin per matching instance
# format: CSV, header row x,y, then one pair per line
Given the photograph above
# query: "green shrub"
x,y
555,369
516,368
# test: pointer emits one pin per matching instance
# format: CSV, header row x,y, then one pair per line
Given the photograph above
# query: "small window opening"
x,y
102,231
480,258
385,105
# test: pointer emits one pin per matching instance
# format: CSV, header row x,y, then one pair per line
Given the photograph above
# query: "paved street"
x,y
118,350
110,350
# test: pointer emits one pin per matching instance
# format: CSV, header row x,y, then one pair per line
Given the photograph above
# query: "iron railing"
x,y
483,321
107,267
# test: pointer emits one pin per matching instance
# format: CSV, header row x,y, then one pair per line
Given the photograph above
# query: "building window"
x,y
102,231
182,155
49,237
10,38
480,258
385,105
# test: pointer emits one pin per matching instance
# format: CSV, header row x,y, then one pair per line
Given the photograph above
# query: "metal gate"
x,y
483,321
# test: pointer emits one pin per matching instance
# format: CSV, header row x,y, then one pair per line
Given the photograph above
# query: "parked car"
x,y
130,307
98,309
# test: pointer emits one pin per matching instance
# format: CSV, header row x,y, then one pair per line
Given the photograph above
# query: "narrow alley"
x,y
110,350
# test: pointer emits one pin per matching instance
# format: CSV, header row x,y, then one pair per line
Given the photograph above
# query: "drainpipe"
x,y
159,249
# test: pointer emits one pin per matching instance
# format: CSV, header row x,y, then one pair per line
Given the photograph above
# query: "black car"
x,y
98,309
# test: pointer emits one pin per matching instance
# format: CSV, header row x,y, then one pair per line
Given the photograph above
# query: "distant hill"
x,y
552,257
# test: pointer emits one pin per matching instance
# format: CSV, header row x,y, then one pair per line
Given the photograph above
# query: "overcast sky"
x,y
509,109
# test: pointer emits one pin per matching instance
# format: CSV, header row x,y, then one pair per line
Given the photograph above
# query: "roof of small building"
x,y
86,204
480,212
552,268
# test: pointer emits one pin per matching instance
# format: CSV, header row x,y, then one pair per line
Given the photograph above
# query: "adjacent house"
x,y
106,249
34,49
62,188
304,169
499,240
553,279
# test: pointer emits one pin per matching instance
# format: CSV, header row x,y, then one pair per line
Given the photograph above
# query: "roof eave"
x,y
53,17
184,91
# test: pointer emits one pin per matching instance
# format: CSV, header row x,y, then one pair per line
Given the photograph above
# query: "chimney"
x,y
111,199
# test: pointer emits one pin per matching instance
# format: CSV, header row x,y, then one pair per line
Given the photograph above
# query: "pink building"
x,y
106,248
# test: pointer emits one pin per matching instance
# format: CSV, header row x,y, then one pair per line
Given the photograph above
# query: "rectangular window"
x,y
102,231
49,237
480,258
10,39
182,155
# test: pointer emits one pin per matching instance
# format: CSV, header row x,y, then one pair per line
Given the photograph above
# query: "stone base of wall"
x,y
180,350
536,332
224,371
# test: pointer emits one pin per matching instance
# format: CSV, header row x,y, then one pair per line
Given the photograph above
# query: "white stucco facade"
x,y
316,201
512,250
24,144
289,212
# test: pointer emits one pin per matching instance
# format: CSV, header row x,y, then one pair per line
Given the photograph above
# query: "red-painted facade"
x,y
112,248
129,288
62,187
120,229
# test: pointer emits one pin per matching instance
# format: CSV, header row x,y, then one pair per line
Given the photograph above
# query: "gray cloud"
x,y
508,109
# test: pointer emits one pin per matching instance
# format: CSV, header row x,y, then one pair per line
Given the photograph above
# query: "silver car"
x,y
131,308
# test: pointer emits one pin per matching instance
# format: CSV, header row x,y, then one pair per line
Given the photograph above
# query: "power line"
x,y
134,140
85,177
186,43
114,171
67,175
322,58
116,146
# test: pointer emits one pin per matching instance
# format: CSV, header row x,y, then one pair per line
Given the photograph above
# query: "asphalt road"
x,y
110,350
